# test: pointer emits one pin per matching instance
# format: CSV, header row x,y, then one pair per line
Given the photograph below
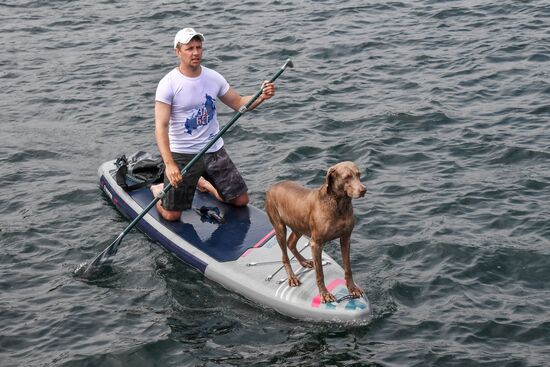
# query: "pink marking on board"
x,y
264,239
247,252
259,243
316,301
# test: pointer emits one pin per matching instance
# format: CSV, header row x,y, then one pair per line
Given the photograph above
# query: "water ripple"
x,y
442,105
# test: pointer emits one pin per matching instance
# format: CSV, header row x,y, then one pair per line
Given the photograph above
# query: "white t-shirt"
x,y
193,117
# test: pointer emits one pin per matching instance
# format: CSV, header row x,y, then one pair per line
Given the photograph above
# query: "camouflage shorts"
x,y
217,167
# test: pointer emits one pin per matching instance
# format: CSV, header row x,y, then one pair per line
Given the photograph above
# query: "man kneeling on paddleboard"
x,y
186,121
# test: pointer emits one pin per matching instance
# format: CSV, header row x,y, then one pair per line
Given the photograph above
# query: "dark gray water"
x,y
444,105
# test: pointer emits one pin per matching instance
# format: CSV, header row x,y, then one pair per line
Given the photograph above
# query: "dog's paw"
x,y
307,263
355,291
327,297
293,281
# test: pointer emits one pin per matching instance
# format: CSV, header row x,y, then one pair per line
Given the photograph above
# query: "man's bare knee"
x,y
241,200
171,216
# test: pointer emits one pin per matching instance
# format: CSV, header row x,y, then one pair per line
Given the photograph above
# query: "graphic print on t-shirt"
x,y
202,117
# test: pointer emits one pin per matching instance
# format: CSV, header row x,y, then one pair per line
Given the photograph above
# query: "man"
x,y
186,120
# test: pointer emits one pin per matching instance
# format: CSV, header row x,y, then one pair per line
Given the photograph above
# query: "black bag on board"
x,y
138,170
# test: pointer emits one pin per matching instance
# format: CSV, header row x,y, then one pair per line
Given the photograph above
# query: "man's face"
x,y
190,54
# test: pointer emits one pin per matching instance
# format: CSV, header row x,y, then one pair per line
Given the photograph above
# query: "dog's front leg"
x,y
316,252
353,289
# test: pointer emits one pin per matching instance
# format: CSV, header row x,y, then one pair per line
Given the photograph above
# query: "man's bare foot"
x,y
205,186
156,189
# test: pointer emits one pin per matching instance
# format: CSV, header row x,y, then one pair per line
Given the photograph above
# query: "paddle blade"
x,y
85,270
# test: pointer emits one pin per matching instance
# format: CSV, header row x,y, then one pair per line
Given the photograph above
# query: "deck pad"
x,y
244,228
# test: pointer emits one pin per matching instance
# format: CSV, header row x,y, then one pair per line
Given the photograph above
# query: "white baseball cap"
x,y
185,35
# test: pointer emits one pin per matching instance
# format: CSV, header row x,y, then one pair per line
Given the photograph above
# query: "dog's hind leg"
x,y
291,242
280,233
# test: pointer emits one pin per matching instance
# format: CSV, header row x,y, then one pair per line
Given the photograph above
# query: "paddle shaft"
x,y
112,249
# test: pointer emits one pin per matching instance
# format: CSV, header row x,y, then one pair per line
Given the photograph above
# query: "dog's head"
x,y
343,179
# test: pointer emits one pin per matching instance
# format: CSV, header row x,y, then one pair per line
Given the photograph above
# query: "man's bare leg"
x,y
170,215
205,186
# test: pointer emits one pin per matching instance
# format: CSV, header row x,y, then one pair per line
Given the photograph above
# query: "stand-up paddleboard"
x,y
237,248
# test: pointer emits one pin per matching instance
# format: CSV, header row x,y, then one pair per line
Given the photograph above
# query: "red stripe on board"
x,y
246,252
316,301
259,243
263,240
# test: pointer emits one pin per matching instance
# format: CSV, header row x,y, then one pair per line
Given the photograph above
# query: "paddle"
x,y
111,250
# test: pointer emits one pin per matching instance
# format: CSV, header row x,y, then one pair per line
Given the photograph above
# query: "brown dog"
x,y
323,214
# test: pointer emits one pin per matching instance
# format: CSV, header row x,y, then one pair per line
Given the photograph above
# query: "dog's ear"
x,y
329,180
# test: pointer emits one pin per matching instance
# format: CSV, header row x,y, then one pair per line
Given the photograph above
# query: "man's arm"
x,y
235,101
162,119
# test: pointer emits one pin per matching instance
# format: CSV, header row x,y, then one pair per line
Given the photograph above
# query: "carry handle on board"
x,y
104,257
